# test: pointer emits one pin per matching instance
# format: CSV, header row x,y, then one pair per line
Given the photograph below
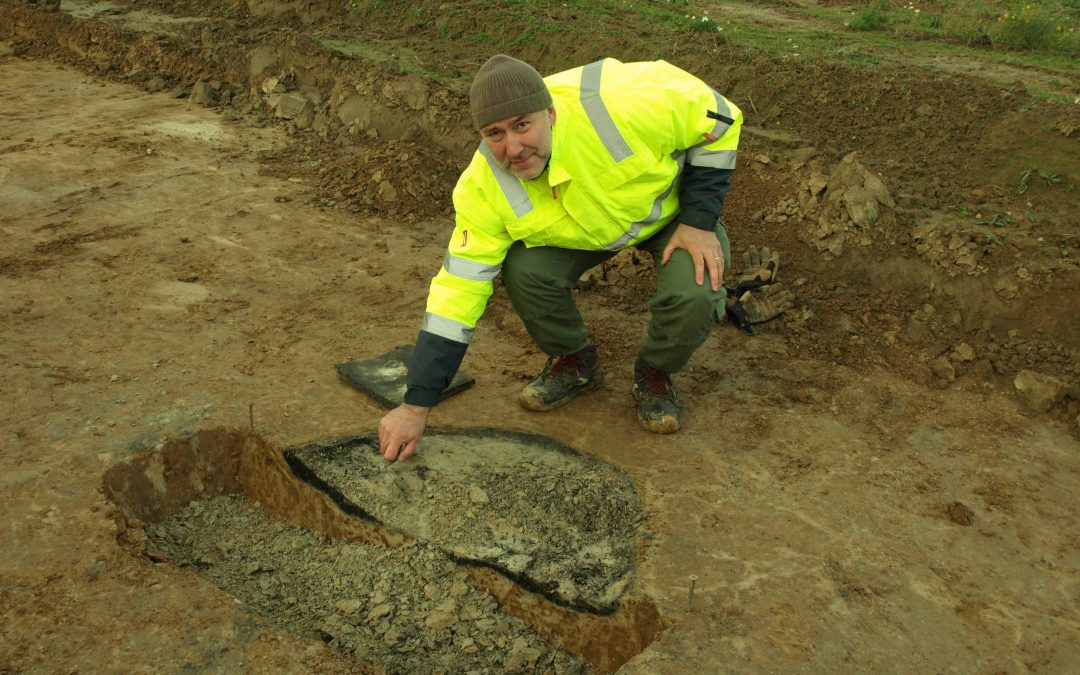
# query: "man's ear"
x,y
551,115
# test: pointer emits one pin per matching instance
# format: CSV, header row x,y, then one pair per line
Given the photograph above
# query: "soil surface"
x,y
205,206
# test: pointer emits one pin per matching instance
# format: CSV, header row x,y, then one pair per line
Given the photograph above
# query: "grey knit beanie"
x,y
506,87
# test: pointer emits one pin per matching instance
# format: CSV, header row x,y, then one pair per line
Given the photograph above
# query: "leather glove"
x,y
759,269
759,305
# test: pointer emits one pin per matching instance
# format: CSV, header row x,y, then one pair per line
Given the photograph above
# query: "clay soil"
x,y
205,206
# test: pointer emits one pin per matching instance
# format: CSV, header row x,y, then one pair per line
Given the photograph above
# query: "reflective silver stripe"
x,y
598,113
469,269
635,228
443,327
716,159
514,191
724,110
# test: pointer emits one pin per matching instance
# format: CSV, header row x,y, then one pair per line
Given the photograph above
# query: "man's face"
x,y
521,144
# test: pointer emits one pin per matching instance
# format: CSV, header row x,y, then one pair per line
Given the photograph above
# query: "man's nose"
x,y
513,145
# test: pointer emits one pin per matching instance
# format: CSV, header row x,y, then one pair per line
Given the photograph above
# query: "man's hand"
x,y
704,247
400,431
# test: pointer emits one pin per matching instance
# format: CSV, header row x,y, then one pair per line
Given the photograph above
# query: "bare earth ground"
x,y
858,488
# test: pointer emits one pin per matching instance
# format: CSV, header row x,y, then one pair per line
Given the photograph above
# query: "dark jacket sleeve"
x,y
701,195
435,360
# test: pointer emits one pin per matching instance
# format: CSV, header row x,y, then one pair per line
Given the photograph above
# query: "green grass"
x,y
1044,26
1040,34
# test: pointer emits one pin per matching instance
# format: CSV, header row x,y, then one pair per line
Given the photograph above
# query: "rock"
x,y
522,656
202,93
1037,391
156,84
943,368
1007,287
379,612
348,606
960,513
387,192
95,568
916,333
459,588
294,106
392,636
477,495
273,85
443,616
965,351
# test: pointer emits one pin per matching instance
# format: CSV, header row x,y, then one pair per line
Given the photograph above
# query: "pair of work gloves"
x,y
755,296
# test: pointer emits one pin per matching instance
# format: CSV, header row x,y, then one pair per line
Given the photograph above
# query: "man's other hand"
x,y
704,248
400,431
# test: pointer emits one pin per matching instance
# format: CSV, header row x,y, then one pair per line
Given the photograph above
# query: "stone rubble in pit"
x,y
404,610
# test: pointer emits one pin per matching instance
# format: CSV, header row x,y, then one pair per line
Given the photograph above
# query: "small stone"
x,y
348,606
1007,287
459,588
95,568
943,369
1037,391
292,105
270,85
202,93
379,612
960,513
387,192
477,495
965,351
522,656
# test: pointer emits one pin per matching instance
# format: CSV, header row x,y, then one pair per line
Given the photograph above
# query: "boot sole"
x,y
664,425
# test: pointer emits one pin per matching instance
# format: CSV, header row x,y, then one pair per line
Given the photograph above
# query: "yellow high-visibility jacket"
x,y
622,137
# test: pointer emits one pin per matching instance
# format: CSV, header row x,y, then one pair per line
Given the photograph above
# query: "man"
x,y
572,169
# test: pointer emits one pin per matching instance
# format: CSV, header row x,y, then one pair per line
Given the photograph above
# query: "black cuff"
x,y
435,360
422,397
702,220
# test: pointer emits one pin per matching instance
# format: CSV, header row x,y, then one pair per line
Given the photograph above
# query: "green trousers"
x,y
539,281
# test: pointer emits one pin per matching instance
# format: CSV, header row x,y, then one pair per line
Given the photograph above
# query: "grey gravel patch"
x,y
556,521
405,610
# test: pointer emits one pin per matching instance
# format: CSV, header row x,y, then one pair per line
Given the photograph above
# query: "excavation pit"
x,y
489,551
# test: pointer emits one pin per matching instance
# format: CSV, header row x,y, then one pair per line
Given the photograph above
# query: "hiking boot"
x,y
658,405
563,378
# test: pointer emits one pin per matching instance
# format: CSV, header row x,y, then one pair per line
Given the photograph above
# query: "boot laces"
x,y
655,382
557,366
